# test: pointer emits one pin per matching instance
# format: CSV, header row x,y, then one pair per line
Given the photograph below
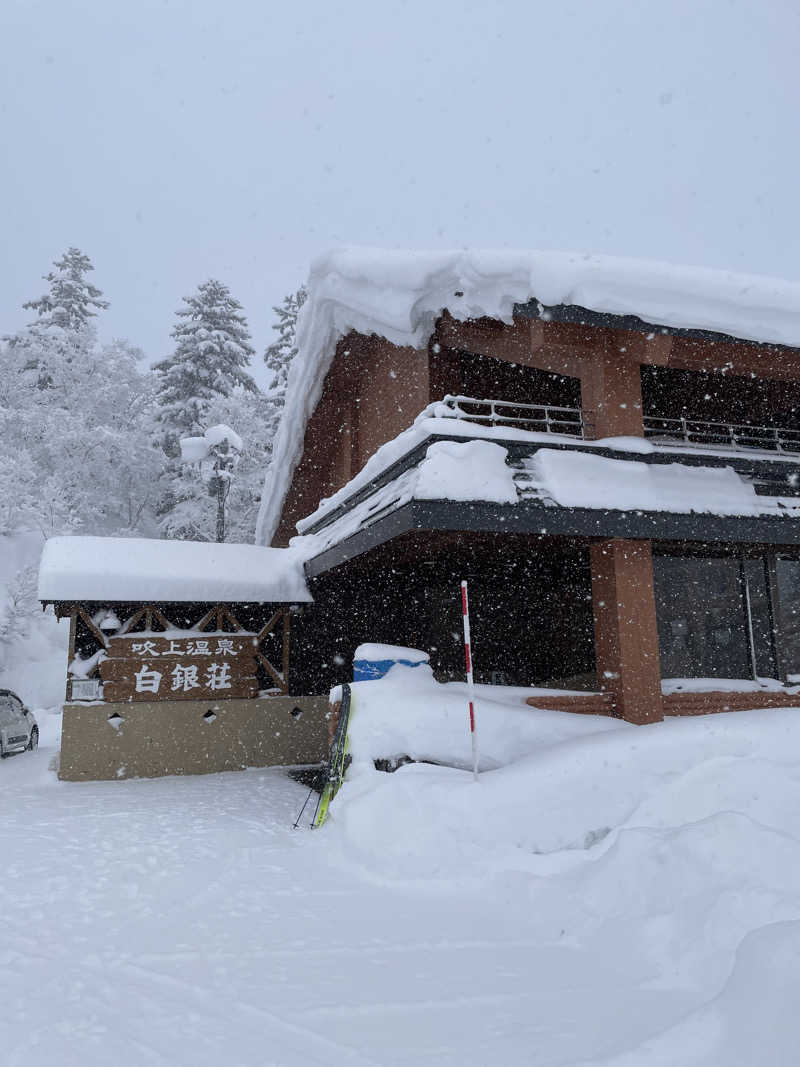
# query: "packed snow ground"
x,y
606,895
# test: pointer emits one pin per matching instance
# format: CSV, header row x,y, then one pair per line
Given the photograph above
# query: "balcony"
x,y
537,418
698,433
568,422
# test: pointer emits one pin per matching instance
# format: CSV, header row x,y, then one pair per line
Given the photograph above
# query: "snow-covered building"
x,y
609,450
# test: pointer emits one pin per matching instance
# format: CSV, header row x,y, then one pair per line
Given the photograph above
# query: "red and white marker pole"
x,y
470,680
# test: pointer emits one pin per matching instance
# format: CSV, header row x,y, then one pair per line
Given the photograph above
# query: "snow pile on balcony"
x,y
450,470
582,480
470,470
424,426
399,295
142,569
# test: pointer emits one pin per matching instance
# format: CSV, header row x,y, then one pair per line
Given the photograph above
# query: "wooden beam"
x,y
270,626
206,619
71,652
130,622
161,618
265,663
101,637
232,620
286,635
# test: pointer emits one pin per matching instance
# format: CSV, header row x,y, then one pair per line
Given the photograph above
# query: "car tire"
x,y
33,743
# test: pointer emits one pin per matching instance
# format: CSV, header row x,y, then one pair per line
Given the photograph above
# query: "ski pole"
x,y
470,681
300,816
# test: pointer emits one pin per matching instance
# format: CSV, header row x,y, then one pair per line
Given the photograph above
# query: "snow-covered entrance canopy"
x,y
111,569
400,295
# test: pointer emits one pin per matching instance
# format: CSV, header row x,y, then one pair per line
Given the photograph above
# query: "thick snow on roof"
x,y
137,568
399,296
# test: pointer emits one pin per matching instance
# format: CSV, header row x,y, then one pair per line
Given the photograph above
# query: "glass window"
x,y
702,625
761,623
787,572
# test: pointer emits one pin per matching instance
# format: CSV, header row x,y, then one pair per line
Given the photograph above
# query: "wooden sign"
x,y
199,666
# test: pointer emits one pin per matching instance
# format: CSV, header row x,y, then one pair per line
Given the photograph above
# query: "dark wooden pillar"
x,y
73,627
625,631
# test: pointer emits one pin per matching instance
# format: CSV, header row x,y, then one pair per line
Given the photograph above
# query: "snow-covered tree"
x,y
279,355
77,454
71,300
211,355
18,607
206,373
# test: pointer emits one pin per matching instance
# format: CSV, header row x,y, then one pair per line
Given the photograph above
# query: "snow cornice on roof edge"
x,y
140,569
400,295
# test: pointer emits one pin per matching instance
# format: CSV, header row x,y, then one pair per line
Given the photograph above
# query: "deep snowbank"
x,y
753,1020
552,782
680,841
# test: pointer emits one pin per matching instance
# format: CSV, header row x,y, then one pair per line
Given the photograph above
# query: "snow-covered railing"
x,y
543,418
722,434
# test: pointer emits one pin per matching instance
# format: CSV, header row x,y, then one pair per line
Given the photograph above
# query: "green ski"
x,y
337,760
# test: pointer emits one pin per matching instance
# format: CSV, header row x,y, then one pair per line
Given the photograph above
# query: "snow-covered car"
x,y
18,729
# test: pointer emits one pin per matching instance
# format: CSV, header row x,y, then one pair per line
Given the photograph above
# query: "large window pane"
x,y
788,576
701,619
755,572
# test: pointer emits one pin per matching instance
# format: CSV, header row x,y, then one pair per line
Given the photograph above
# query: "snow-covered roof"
x,y
400,295
141,569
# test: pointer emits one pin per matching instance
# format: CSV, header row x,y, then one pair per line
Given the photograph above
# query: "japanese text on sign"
x,y
196,647
184,677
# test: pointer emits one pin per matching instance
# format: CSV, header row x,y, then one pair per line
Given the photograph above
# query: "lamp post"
x,y
225,458
217,452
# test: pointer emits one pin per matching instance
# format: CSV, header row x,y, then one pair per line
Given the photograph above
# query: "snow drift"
x,y
677,844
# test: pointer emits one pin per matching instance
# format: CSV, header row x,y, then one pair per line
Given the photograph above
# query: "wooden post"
x,y
626,634
286,642
611,392
73,625
220,509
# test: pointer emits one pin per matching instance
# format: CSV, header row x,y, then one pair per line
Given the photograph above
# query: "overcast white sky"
x,y
173,140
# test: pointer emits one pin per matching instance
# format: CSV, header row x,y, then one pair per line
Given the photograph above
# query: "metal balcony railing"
x,y
721,434
543,418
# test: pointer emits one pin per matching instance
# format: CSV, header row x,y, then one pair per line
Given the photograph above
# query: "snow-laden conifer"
x,y
204,382
211,355
71,300
279,355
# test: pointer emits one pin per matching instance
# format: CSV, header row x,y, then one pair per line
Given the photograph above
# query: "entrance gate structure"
x,y
178,686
